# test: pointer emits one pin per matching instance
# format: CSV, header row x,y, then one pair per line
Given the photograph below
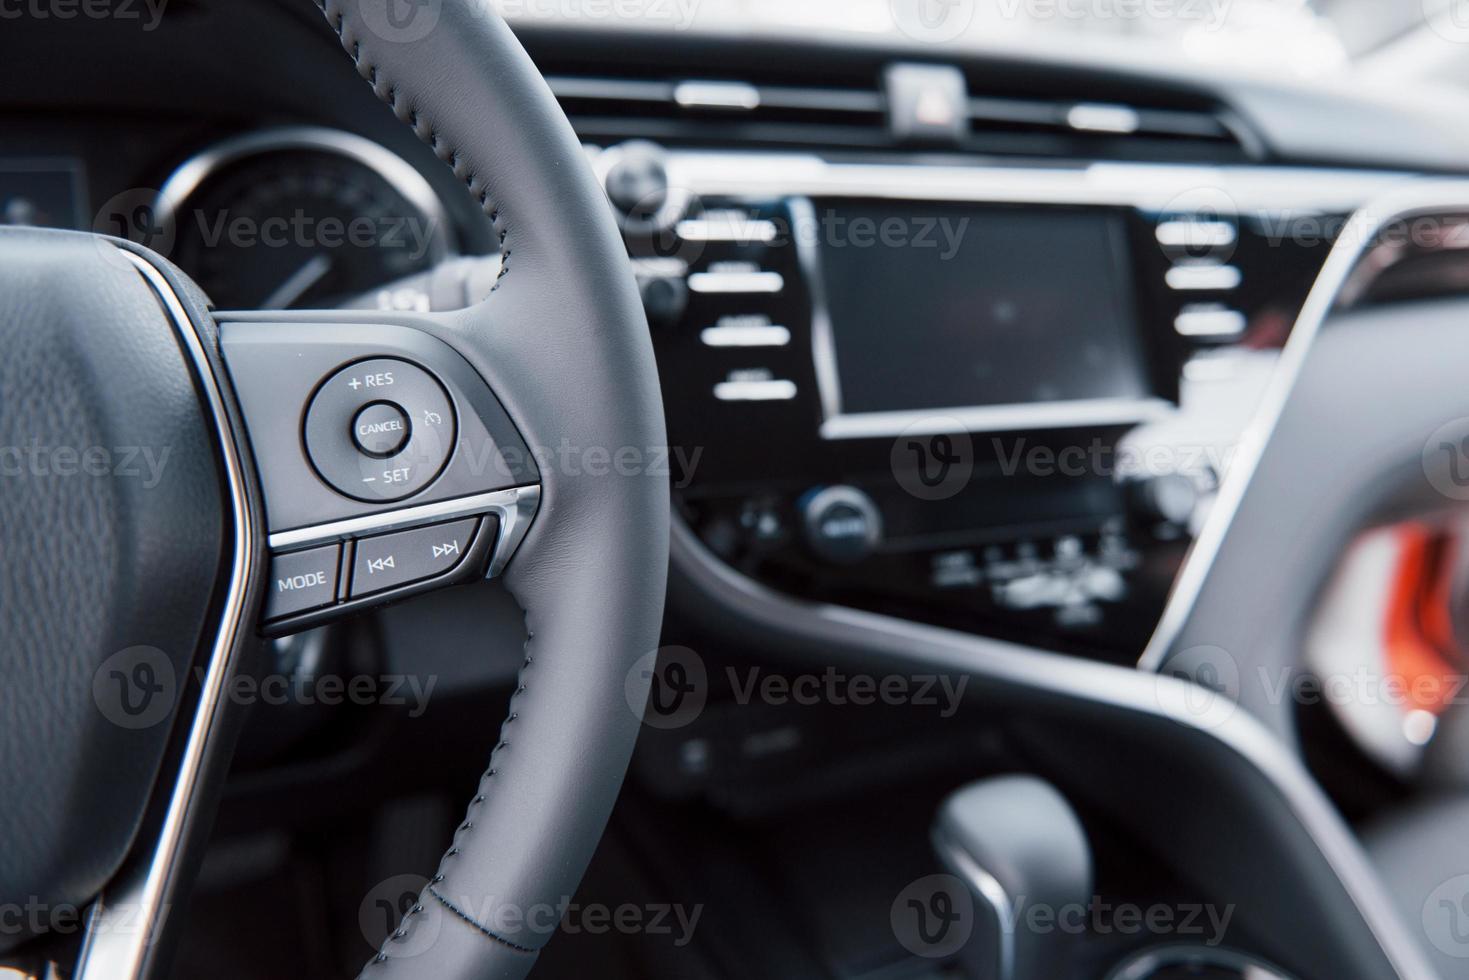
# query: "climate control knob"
x,y
841,524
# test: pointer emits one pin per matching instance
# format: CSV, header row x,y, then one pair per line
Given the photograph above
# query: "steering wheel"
x,y
121,578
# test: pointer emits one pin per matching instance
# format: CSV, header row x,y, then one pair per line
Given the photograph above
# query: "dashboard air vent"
x,y
722,112
719,111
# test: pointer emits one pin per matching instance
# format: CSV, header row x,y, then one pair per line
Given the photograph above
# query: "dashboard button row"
x,y
304,581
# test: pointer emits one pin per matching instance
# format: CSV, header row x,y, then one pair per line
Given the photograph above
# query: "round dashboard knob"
x,y
637,184
841,524
664,299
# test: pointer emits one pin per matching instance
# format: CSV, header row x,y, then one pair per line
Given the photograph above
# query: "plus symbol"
x,y
354,384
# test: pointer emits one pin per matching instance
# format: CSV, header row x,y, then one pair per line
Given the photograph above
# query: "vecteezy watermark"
x,y
669,688
932,21
331,690
413,235
133,214
1449,20
1207,683
35,459
135,687
1100,458
405,21
677,463
389,912
35,916
1446,917
392,912
1203,683
1211,14
933,917
1446,459
148,14
933,466
834,687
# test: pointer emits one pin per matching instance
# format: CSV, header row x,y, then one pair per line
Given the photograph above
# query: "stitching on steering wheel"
x,y
457,911
448,154
388,93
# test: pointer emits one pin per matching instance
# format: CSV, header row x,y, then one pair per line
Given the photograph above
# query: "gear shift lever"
x,y
1017,844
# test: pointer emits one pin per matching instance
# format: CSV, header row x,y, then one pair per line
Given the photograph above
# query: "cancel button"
x,y
380,429
301,581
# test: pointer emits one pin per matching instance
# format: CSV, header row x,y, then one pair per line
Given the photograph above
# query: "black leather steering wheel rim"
x,y
563,342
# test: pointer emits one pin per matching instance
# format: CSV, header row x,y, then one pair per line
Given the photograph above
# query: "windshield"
x,y
1286,37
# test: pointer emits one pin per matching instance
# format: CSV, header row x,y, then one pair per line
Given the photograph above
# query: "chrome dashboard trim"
x,y
1171,188
997,418
123,924
1363,229
399,174
515,509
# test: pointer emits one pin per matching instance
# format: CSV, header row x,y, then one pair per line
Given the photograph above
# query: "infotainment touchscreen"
x,y
1002,316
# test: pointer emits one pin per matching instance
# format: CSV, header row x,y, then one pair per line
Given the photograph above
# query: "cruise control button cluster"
x,y
391,560
380,429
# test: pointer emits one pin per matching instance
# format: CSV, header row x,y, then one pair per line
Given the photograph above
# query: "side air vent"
x,y
721,112
694,110
1107,124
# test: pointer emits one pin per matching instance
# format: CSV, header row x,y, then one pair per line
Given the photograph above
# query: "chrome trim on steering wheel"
x,y
124,923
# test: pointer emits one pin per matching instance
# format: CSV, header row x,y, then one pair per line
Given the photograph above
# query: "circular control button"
x,y
381,429
842,524
380,391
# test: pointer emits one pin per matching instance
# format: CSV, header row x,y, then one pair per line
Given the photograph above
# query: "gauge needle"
x,y
301,280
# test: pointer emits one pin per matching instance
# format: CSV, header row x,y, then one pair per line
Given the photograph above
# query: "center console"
x,y
907,386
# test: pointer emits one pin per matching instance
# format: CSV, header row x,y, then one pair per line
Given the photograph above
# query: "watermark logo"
x,y
1449,21
133,215
668,687
1446,459
1200,223
933,917
385,915
147,13
400,21
932,21
1210,689
1446,917
134,688
933,466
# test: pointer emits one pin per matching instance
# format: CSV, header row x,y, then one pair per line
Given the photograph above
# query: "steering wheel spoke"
x,y
343,459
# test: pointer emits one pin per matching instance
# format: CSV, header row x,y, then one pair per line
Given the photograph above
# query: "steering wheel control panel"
x,y
909,388
315,580
388,465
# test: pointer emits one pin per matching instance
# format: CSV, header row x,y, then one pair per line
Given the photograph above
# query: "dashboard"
x,y
939,337
960,338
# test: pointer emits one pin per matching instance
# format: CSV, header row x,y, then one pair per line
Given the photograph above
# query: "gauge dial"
x,y
300,219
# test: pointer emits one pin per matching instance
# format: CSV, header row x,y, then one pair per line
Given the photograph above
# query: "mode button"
x,y
301,581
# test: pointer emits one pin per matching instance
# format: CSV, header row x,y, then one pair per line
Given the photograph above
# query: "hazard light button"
x,y
392,560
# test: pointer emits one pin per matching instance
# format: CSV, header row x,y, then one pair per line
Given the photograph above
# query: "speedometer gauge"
x,y
300,218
